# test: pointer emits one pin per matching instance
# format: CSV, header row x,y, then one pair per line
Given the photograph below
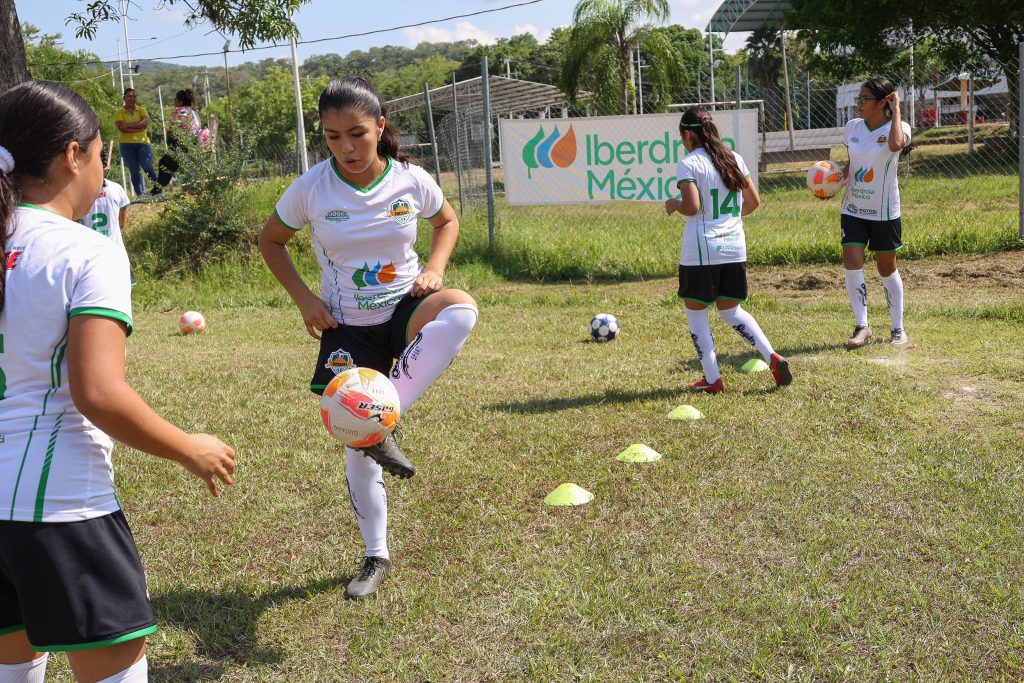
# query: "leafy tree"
x,y
604,35
992,29
764,63
250,20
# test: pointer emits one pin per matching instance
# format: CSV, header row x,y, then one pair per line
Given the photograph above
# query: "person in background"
x,y
184,126
110,210
132,121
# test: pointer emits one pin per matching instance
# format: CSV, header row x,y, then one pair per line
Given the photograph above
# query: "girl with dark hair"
x,y
131,122
871,205
184,126
377,302
715,191
70,576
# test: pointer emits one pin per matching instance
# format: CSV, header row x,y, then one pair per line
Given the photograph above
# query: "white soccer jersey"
x,y
872,192
54,463
715,234
105,215
363,237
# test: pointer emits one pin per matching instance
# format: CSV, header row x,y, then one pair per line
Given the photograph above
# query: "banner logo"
x,y
550,151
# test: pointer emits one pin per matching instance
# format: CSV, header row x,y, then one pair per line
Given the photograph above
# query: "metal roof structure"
x,y
508,96
747,15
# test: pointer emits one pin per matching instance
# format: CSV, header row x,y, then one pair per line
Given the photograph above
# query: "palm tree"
x,y
765,62
604,35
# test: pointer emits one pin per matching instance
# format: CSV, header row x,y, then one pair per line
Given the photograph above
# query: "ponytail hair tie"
x,y
6,161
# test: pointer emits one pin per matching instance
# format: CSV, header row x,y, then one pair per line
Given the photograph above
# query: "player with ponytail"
x,y
376,302
70,576
715,192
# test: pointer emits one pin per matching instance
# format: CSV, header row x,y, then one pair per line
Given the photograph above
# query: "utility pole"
x,y
711,55
640,78
120,67
300,126
127,44
227,75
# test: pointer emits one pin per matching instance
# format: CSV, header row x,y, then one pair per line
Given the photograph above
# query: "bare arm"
x,y
897,140
122,217
273,245
96,350
751,198
442,243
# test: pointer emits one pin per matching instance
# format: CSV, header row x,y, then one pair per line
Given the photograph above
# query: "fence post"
x,y
488,171
970,113
163,123
458,145
789,99
1020,135
433,138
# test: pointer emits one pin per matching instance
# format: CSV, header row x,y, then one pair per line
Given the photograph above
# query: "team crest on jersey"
x,y
339,361
881,139
401,211
337,216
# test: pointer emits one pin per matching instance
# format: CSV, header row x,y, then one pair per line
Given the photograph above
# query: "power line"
x,y
310,42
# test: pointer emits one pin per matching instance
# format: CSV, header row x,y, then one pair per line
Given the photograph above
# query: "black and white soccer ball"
x,y
604,327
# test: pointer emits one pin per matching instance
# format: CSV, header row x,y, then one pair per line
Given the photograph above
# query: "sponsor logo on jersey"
x,y
864,175
855,140
868,212
337,216
401,211
881,139
549,150
11,257
377,275
339,361
852,208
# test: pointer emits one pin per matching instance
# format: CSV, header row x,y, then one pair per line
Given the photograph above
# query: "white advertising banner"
x,y
607,158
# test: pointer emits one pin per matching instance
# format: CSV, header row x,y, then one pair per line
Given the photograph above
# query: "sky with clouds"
x,y
157,33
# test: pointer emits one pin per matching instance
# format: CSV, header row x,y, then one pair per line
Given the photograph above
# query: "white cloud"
x,y
464,30
540,34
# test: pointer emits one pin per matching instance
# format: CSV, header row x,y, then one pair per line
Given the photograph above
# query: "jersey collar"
x,y
375,183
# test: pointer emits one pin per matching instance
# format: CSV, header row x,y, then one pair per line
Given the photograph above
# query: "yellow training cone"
x,y
638,453
754,365
569,494
685,413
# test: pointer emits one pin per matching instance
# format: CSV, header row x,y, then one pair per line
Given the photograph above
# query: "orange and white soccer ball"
x,y
825,179
360,407
191,321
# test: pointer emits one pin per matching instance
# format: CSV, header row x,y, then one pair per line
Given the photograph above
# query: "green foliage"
x,y
250,20
210,218
48,61
267,105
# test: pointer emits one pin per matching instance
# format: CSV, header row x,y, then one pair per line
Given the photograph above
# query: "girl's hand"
x,y
892,98
316,316
427,282
671,206
210,459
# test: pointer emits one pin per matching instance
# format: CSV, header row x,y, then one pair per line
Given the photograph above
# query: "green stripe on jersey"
x,y
103,312
434,215
282,221
44,476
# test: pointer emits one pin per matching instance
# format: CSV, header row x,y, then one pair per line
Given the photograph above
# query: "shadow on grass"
x,y
224,625
545,405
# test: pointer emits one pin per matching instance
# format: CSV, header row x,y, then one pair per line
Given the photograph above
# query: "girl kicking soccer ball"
x,y
376,302
70,576
716,191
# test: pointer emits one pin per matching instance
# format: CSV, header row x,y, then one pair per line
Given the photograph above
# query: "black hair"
x,y
357,93
699,122
127,90
186,97
38,120
880,88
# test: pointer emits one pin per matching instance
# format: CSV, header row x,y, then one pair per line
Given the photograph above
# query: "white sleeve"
x,y
743,165
685,172
906,131
103,283
121,197
291,207
846,133
432,199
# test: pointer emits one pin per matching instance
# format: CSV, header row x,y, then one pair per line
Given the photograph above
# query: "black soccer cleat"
x,y
388,455
365,583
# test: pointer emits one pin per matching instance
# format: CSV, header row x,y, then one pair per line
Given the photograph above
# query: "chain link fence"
x,y
963,127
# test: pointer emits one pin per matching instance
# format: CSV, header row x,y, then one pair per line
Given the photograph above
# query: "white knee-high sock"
x,y
136,673
431,352
894,296
747,327
27,672
857,290
369,501
700,332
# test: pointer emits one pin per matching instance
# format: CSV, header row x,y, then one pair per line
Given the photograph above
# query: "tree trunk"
x,y
13,66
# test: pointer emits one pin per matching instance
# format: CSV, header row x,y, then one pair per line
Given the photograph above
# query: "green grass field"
x,y
863,524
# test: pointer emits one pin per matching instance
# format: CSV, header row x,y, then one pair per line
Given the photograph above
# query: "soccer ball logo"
x,y
360,407
191,321
825,179
604,327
